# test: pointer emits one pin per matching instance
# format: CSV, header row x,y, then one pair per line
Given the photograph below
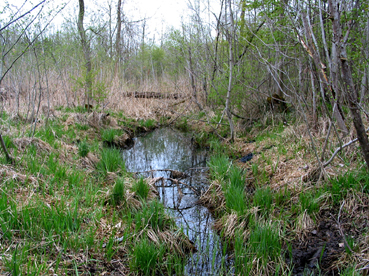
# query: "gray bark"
x,y
230,37
311,47
117,40
86,52
349,86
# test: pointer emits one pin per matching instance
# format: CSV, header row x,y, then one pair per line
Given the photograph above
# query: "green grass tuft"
x,y
83,148
263,198
153,214
145,256
236,199
355,180
111,161
219,165
149,123
118,194
109,134
141,188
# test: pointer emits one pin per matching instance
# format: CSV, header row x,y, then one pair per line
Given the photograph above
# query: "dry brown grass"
x,y
115,100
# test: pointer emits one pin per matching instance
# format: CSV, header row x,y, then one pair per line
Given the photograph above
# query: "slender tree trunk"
x,y
351,90
86,53
312,49
315,117
7,155
192,77
230,37
117,40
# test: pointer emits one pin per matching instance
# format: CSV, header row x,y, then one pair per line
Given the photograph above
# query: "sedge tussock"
x,y
304,223
229,224
89,162
177,242
132,202
23,143
7,173
213,198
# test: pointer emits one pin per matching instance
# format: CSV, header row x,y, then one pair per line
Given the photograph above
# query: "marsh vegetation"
x,y
264,168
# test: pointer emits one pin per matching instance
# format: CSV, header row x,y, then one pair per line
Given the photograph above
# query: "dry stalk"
x,y
340,228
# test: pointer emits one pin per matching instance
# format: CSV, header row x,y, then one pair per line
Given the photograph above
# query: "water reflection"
x,y
170,149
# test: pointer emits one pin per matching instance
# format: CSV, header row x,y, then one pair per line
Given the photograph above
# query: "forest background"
x,y
238,65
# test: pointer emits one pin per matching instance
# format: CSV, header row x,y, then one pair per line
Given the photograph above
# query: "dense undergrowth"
x,y
277,218
68,206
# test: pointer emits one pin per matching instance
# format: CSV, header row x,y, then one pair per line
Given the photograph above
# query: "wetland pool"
x,y
162,153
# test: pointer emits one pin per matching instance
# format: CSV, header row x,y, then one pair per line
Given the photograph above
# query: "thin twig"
x,y
340,228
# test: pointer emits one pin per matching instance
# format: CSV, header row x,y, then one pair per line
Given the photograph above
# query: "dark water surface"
x,y
167,148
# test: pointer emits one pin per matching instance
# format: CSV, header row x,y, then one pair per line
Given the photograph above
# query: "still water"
x,y
169,149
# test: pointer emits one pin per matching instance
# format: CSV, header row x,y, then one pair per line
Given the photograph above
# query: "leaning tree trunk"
x,y
7,155
351,90
324,83
86,53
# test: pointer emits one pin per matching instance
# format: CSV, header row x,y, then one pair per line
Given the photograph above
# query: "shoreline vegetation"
x,y
276,91
69,207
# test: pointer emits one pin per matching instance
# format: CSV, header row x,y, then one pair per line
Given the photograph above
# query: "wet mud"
x,y
321,249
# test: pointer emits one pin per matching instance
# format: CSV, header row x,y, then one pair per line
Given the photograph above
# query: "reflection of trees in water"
x,y
161,149
170,149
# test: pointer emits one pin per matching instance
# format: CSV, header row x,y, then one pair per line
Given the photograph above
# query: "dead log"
x,y
153,95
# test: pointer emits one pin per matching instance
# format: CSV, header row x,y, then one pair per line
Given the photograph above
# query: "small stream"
x,y
167,148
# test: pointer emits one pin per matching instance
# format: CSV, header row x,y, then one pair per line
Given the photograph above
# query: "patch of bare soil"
x,y
334,242
321,247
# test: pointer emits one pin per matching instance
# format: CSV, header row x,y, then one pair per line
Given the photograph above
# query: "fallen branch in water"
x,y
174,173
175,181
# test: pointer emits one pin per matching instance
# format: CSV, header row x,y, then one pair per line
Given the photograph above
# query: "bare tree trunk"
x,y
230,36
351,90
86,52
315,117
117,40
192,77
312,48
8,157
143,51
